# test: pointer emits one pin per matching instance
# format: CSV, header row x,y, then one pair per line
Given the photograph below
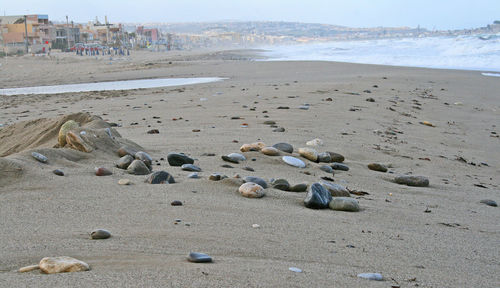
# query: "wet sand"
x,y
454,244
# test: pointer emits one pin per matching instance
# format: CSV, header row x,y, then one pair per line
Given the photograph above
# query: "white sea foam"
x,y
491,74
462,52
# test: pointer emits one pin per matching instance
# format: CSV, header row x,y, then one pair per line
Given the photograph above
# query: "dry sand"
x,y
455,245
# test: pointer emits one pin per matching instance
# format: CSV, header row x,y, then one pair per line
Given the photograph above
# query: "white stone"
x,y
294,161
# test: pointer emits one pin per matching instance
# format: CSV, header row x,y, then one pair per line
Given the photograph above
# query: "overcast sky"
x,y
438,14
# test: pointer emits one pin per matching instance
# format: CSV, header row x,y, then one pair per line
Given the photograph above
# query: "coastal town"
x,y
36,33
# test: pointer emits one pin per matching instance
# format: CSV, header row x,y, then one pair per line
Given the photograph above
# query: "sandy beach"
x,y
435,236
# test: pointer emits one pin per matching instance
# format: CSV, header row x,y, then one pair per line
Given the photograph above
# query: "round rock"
x,y
193,175
281,184
178,159
215,177
324,157
125,150
326,168
124,161
317,197
67,126
270,151
344,204
489,202
251,190
124,182
100,234
137,167
294,161
285,147
417,181
160,177
58,172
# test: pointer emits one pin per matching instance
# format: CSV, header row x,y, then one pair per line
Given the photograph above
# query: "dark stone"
x,y
178,159
100,234
417,181
302,187
226,166
256,180
489,202
215,177
137,167
154,131
196,257
124,161
269,122
285,147
248,168
230,159
58,172
144,157
370,99
160,177
281,184
283,107
326,168
336,157
279,129
324,157
317,197
176,203
377,167
340,166
190,167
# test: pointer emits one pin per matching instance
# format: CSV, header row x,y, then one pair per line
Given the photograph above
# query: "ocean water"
x,y
106,86
460,52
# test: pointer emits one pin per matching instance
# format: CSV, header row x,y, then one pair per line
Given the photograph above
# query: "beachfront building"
x,y
102,33
13,30
65,36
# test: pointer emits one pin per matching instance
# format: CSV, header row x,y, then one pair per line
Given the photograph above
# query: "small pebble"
x,y
256,180
193,175
489,202
295,269
371,276
344,204
176,203
196,257
326,168
340,166
251,190
279,129
124,182
101,171
137,167
190,167
100,234
255,226
39,157
58,172
160,177
294,161
417,181
285,147
215,177
377,167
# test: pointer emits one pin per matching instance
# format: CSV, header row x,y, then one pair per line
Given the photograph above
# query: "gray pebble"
x,y
344,204
196,257
326,168
100,234
257,180
39,157
489,202
340,166
417,181
190,167
285,147
124,161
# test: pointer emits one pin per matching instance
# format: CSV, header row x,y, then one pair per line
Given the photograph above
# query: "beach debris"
x,y
285,147
480,186
255,226
326,168
251,190
51,265
39,157
124,181
295,269
124,161
304,107
29,268
336,190
377,167
178,159
153,131
489,202
317,197
294,161
324,157
336,157
340,166
160,177
100,234
256,180
176,203
101,171
74,141
270,151
190,167
359,193
315,142
309,154
283,107
58,172
137,167
417,181
226,166
301,187
281,184
427,123
252,147
193,175
67,126
344,204
371,276
370,99
196,257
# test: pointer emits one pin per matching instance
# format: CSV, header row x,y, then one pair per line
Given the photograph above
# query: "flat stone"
x,y
279,129
237,156
417,181
344,204
124,162
294,161
67,126
230,159
125,150
317,197
371,276
270,151
160,177
100,234
377,167
336,190
190,167
124,182
51,265
336,157
144,157
324,157
178,159
326,168
340,166
301,187
285,147
309,154
257,180
489,202
251,190
39,157
226,166
193,175
101,171
137,167
281,184
269,122
58,172
196,257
